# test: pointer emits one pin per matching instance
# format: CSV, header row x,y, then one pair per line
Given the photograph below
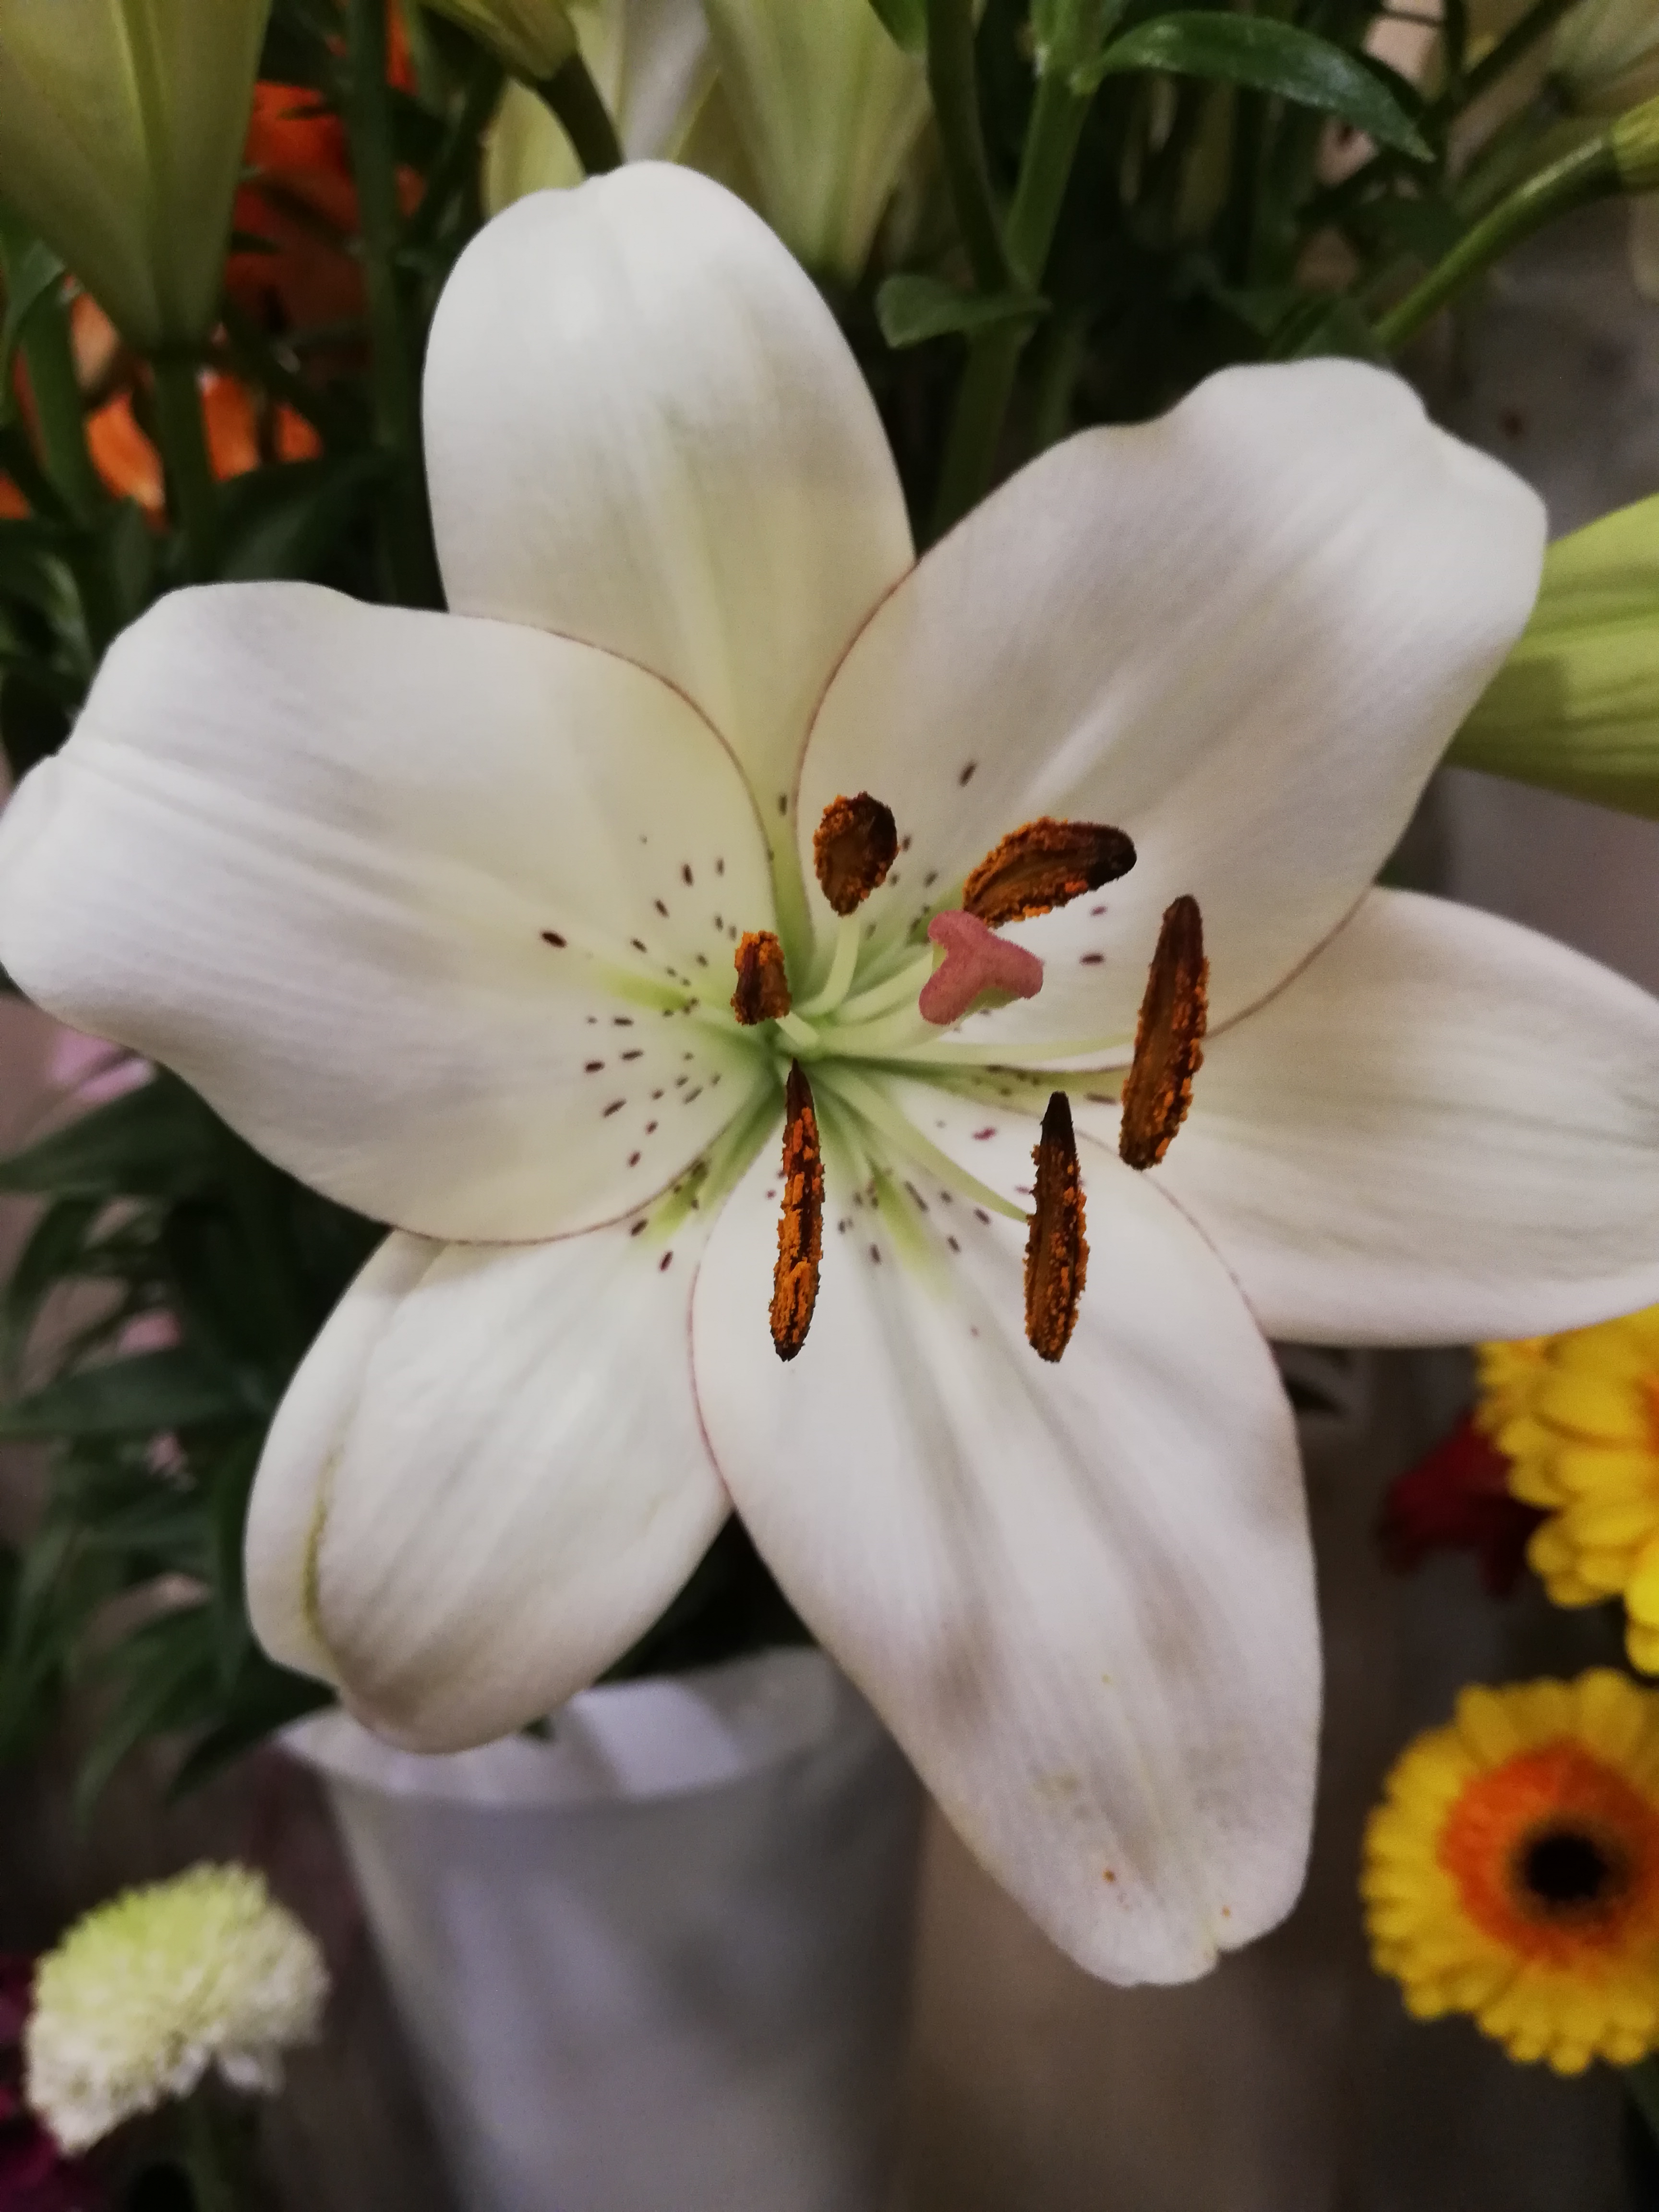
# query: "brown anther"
x,y
762,992
1168,1038
1044,865
800,1224
1056,1251
852,847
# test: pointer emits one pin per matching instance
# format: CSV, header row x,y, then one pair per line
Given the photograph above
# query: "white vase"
x,y
660,1963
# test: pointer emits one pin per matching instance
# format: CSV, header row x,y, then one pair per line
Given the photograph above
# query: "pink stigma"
x,y
976,960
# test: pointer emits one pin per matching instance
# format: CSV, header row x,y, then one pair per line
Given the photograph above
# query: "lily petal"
x,y
1277,604
644,429
1081,1596
378,885
1445,1129
486,1480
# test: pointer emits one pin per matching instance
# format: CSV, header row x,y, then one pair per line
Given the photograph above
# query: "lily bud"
x,y
828,106
121,131
1575,705
1635,137
529,38
1606,55
651,61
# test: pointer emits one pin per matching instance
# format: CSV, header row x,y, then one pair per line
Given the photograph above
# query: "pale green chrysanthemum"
x,y
146,1993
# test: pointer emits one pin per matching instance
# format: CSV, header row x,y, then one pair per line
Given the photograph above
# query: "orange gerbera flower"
x,y
1512,1870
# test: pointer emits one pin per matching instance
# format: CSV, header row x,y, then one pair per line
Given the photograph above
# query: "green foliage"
x,y
1267,57
154,1219
906,21
912,308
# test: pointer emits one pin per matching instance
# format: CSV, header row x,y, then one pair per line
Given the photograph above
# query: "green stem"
x,y
1589,173
205,2156
458,156
1516,41
406,534
60,419
1056,366
573,97
1058,115
954,85
256,359
1642,2086
193,495
61,427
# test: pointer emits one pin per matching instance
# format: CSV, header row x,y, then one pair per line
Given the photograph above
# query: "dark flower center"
x,y
1565,1870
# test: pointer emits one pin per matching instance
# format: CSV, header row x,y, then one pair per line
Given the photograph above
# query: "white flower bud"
x,y
122,124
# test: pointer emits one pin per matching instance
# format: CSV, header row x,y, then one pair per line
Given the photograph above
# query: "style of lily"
x,y
449,914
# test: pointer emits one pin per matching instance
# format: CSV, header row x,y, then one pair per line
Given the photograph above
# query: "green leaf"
x,y
1268,56
156,1141
53,1255
266,1698
282,522
165,1675
906,22
911,309
30,276
143,1397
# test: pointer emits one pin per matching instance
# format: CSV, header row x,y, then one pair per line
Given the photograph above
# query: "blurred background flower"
x,y
147,1994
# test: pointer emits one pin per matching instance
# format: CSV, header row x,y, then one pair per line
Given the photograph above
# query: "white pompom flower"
x,y
147,1993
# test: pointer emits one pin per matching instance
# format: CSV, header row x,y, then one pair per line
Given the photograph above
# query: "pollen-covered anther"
x,y
762,992
977,965
1056,1249
852,847
800,1224
1168,1038
1043,865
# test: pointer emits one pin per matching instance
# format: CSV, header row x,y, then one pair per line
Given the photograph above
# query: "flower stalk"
x,y
953,82
576,99
1591,172
192,490
406,534
988,384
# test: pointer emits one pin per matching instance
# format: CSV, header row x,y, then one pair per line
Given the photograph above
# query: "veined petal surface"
x,y
486,1480
1080,1594
644,429
1444,1129
380,884
1243,633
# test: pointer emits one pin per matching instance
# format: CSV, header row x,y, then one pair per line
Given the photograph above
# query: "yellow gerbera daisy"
x,y
1512,1870
1577,1418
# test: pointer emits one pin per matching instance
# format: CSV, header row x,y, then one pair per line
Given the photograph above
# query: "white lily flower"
x,y
121,130
441,912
